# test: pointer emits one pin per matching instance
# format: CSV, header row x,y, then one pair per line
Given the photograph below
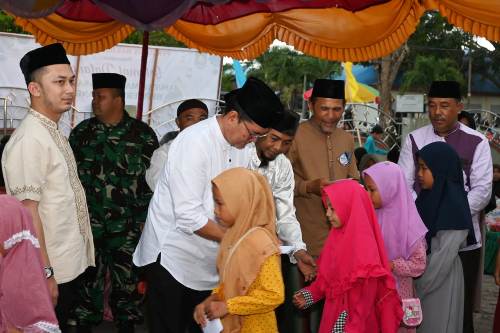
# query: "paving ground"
x,y
483,321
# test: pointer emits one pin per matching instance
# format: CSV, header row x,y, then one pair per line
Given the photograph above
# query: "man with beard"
x,y
444,104
113,151
269,160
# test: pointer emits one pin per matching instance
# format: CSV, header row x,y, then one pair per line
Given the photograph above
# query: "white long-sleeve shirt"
x,y
475,153
157,165
279,174
182,204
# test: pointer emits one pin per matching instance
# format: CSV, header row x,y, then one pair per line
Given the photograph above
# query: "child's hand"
x,y
216,309
199,314
299,301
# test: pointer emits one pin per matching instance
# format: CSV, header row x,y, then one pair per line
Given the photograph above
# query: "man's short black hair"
x,y
191,104
377,129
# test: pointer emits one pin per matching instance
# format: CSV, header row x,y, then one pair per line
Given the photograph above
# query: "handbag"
x,y
412,312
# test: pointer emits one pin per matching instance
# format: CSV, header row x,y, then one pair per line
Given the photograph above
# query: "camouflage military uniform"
x,y
112,162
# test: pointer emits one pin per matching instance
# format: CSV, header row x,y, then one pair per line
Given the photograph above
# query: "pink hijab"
x,y
354,255
401,225
25,303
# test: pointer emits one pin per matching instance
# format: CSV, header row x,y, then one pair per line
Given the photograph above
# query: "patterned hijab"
x,y
445,206
252,238
25,303
402,227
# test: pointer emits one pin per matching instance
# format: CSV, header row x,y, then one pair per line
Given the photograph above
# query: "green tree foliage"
x,y
228,80
487,63
284,70
428,68
7,24
450,47
157,38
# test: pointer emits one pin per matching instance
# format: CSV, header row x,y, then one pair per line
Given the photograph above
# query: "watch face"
x,y
49,272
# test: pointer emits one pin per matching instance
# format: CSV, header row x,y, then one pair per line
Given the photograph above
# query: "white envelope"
x,y
213,326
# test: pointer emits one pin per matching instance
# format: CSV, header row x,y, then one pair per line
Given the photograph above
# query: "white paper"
x,y
285,249
213,326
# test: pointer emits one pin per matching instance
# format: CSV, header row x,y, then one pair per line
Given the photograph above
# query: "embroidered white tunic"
x,y
279,174
38,164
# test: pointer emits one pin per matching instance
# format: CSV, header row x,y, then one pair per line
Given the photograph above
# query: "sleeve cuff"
x,y
297,247
303,188
26,192
230,307
308,297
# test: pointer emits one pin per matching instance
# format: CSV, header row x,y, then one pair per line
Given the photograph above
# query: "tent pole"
x,y
142,80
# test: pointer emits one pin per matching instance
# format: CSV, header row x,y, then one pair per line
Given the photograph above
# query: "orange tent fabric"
x,y
329,33
479,17
78,37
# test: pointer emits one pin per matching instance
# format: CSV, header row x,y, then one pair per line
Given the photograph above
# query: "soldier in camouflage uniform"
x,y
113,152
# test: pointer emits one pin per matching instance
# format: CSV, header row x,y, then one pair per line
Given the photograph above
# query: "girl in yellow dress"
x,y
251,284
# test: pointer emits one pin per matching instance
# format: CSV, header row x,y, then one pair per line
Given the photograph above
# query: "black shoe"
x,y
83,329
126,327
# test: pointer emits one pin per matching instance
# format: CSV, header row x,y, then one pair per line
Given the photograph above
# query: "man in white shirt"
x,y
268,158
179,243
444,105
189,112
40,170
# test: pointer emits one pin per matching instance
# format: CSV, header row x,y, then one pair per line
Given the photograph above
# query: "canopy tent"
x,y
345,30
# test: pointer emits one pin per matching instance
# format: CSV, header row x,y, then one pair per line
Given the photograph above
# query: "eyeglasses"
x,y
252,134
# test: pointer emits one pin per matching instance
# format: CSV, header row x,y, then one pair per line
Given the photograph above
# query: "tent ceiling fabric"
x,y
149,15
202,13
354,30
329,33
31,8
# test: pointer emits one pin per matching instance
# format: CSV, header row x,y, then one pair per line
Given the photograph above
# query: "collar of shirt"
x,y
43,119
125,121
256,163
453,130
219,136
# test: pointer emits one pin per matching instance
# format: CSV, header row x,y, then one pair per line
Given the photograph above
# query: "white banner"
x,y
179,74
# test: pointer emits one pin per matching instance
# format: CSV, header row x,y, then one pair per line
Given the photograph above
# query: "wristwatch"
x,y
49,272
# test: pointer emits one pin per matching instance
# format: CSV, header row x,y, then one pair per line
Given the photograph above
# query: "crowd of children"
x,y
387,258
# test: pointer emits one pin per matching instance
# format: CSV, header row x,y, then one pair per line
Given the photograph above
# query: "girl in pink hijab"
x,y
354,276
402,228
25,304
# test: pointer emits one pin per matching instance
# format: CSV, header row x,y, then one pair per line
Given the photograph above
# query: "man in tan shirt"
x,y
40,170
320,154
